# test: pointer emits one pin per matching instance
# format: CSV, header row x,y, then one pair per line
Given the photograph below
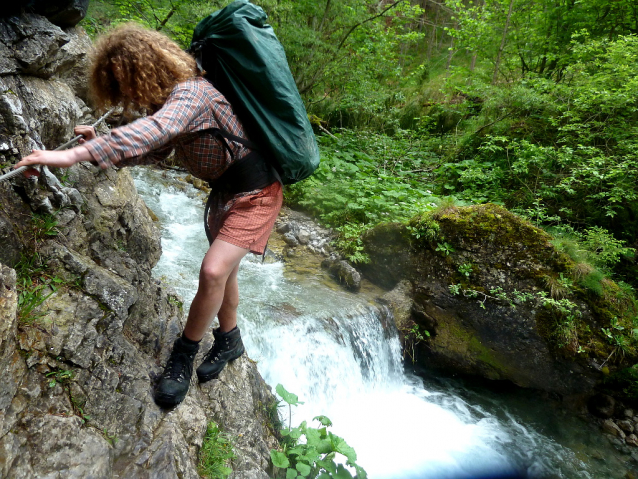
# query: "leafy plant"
x,y
216,454
59,376
466,269
313,452
414,336
44,225
444,248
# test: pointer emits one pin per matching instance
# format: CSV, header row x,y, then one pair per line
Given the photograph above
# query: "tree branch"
x,y
354,27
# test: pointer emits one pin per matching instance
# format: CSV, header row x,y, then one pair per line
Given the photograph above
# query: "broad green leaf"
x,y
323,420
324,446
279,459
297,450
361,472
341,446
342,473
304,469
328,464
291,473
289,398
313,436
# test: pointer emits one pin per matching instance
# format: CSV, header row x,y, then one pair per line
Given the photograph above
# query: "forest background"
x,y
530,104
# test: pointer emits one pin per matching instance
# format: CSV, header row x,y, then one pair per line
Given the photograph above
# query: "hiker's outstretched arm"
x,y
59,159
179,114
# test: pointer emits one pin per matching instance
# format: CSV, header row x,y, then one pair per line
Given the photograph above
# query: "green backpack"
x,y
244,60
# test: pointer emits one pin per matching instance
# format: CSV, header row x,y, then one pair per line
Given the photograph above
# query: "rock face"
x,y
473,285
84,328
63,13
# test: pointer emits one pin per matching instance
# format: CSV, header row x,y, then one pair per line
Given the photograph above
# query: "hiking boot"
x,y
175,380
227,347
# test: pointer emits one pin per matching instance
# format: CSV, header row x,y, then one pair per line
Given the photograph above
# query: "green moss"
x,y
467,343
500,241
623,383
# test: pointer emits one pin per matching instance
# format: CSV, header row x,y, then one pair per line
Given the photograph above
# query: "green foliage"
x,y
424,228
313,452
414,336
216,454
445,248
349,242
177,18
367,179
44,226
59,376
363,180
466,269
34,287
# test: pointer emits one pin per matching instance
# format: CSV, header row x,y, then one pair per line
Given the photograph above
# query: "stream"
x,y
340,355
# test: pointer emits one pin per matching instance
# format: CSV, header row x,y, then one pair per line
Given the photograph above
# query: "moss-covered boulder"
x,y
493,297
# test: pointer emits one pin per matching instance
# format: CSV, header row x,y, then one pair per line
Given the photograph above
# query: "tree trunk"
x,y
451,52
500,50
432,42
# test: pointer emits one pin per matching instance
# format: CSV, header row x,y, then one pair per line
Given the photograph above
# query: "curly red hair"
x,y
137,68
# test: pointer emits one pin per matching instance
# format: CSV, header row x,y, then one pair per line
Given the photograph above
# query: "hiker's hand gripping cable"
x,y
83,132
62,158
59,159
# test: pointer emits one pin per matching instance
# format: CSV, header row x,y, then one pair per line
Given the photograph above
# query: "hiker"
x,y
144,71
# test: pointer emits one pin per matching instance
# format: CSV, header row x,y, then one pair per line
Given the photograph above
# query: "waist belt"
x,y
249,173
252,172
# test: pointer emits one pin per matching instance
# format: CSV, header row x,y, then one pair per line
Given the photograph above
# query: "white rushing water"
x,y
338,355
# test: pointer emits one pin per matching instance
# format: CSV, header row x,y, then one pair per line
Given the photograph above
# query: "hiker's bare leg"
x,y
227,314
218,273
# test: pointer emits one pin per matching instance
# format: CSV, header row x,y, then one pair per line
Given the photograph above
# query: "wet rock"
x,y
632,440
344,273
626,425
471,333
629,413
290,239
388,246
399,300
303,237
283,227
602,405
610,427
64,13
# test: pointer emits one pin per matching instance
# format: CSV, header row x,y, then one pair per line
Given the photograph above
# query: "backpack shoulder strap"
x,y
222,136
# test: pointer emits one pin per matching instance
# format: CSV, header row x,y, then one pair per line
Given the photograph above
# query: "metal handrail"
x,y
17,171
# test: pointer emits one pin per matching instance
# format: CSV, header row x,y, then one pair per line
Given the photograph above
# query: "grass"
x,y
215,454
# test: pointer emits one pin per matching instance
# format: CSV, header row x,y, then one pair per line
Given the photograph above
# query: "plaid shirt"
x,y
193,105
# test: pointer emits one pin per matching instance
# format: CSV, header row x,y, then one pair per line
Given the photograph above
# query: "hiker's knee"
x,y
213,276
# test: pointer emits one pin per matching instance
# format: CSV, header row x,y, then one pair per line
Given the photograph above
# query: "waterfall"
x,y
342,357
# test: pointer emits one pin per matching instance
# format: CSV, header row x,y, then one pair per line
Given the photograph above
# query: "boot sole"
x,y
167,402
207,377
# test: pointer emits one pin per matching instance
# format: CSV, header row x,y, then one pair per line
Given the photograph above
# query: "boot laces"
x,y
218,347
176,366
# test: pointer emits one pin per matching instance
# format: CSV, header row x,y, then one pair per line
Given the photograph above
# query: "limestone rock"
x,y
625,425
610,427
64,13
473,332
344,273
602,405
400,302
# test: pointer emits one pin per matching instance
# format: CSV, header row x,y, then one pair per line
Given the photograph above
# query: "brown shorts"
x,y
248,221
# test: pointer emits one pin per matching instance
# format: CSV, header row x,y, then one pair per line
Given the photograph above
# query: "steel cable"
x,y
17,171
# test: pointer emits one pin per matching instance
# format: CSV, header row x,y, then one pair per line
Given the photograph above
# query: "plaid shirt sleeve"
x,y
181,113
